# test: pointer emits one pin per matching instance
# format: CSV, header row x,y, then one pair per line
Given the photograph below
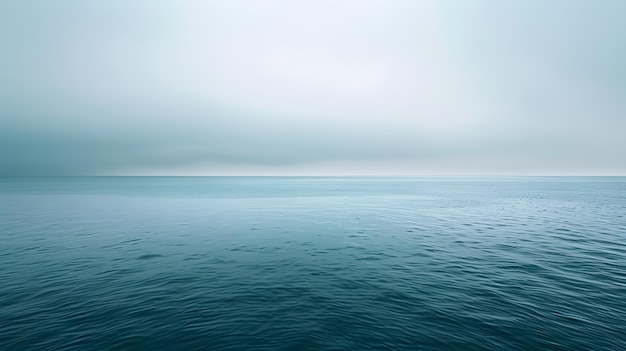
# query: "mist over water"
x,y
307,263
312,88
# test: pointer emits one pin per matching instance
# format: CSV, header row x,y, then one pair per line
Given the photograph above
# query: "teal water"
x,y
270,263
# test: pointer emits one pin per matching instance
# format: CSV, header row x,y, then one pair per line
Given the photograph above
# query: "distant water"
x,y
313,263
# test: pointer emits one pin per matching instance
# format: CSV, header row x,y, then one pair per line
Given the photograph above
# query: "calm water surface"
x,y
313,263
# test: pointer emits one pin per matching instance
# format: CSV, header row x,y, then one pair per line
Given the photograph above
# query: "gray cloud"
x,y
312,87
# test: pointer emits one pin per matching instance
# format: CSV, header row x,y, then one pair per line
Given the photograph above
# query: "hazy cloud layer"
x,y
312,87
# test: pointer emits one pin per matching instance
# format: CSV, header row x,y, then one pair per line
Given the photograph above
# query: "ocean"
x,y
313,263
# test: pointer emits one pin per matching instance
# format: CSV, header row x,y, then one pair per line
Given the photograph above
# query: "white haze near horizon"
x,y
280,87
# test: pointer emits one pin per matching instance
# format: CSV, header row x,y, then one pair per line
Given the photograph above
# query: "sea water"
x,y
313,263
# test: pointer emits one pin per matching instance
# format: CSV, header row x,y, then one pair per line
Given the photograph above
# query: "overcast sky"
x,y
312,87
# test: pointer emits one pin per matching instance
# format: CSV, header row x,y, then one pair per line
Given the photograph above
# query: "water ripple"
x,y
339,264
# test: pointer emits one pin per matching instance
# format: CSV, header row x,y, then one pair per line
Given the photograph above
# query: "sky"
x,y
312,87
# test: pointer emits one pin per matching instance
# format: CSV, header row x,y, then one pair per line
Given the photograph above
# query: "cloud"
x,y
282,87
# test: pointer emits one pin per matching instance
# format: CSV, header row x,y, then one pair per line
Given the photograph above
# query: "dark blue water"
x,y
313,263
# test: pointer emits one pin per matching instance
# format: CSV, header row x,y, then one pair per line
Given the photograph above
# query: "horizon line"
x,y
318,176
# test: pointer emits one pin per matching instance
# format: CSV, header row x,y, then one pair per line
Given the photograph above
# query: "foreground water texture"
x,y
270,263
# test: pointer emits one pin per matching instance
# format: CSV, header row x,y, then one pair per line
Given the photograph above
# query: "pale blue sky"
x,y
312,87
